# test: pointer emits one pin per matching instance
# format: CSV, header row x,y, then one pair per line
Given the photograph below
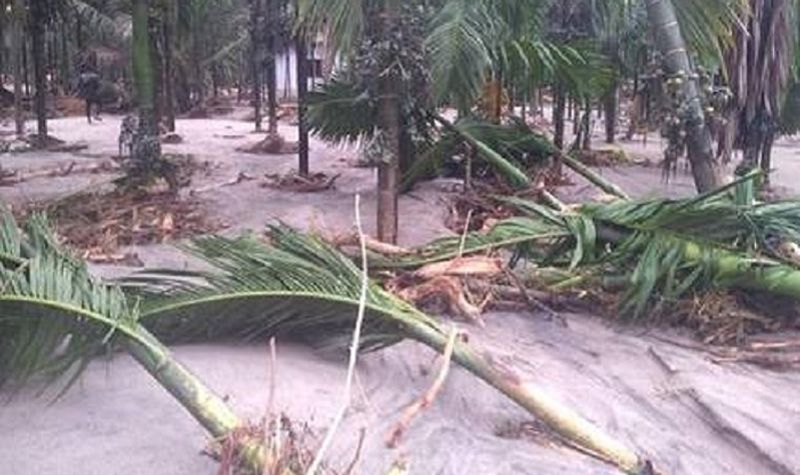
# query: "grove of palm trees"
x,y
399,237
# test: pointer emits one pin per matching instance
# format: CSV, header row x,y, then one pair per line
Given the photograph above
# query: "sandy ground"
x,y
688,413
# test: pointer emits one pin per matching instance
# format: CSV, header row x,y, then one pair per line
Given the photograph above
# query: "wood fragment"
x,y
424,402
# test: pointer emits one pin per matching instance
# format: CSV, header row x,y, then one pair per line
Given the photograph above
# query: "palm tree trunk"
x,y
157,62
255,58
146,145
766,154
586,126
169,74
202,403
272,46
66,64
16,51
302,92
610,105
390,122
559,101
568,424
669,41
36,28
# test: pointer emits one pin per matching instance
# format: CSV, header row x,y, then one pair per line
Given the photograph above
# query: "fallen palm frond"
x,y
54,317
299,282
666,248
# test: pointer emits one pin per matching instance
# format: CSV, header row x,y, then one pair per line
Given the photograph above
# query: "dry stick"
x,y
356,343
464,234
427,399
271,431
361,435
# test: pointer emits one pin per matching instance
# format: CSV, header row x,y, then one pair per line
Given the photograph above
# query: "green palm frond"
x,y
458,54
522,234
53,315
708,26
295,283
344,20
510,149
341,111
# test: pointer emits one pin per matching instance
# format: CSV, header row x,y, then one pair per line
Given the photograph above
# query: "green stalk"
x,y
567,423
514,174
593,177
199,400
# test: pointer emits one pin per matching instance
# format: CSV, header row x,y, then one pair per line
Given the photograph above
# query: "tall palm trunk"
x,y
154,24
559,109
25,70
16,51
273,10
302,92
36,26
669,41
389,117
256,21
146,145
169,74
610,105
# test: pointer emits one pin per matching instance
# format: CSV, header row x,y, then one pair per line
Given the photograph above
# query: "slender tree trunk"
x,y
16,51
66,61
390,122
25,70
766,154
146,146
669,41
586,126
157,62
272,45
256,20
610,105
36,27
169,74
199,77
559,100
302,91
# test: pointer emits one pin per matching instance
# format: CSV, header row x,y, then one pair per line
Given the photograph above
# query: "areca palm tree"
x,y
758,68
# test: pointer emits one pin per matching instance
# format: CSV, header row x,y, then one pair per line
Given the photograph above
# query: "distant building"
x,y
286,69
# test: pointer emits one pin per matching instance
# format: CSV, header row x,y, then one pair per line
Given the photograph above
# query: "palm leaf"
x,y
296,283
53,315
341,111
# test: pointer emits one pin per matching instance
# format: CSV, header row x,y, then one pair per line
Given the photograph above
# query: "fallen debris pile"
x,y
98,224
299,183
14,177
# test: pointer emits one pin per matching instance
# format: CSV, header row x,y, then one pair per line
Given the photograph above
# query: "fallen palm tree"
x,y
54,317
301,284
663,249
